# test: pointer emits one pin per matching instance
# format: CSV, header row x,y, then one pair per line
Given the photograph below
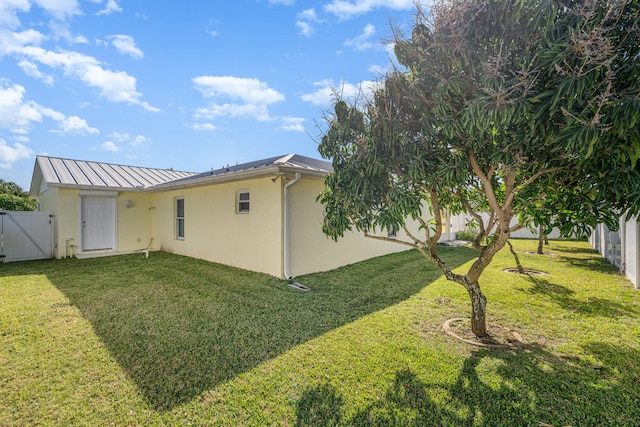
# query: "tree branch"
x,y
486,182
509,198
437,214
389,239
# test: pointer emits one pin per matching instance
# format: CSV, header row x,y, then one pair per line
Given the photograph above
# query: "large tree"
x,y
14,198
511,111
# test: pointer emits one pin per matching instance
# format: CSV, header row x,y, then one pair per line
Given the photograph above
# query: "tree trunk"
x,y
541,239
478,310
515,255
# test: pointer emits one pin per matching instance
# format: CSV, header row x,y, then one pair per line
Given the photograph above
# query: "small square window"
x,y
244,201
392,231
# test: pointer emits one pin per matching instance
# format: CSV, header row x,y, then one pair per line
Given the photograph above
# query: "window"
x,y
243,201
180,218
392,231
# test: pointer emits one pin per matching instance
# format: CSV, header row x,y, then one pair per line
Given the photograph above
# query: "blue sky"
x,y
191,85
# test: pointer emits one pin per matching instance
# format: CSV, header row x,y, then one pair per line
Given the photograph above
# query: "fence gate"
x,y
25,236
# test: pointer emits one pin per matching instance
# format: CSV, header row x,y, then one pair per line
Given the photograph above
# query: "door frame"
x,y
113,196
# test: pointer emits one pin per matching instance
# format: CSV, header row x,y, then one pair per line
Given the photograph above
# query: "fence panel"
x,y
25,236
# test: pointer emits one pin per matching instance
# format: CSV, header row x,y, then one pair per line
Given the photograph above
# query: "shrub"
x,y
466,235
9,202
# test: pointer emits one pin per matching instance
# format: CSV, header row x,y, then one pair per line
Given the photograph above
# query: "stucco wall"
x,y
215,232
311,250
133,222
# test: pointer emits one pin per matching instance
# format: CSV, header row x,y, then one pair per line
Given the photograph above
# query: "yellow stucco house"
x,y
261,216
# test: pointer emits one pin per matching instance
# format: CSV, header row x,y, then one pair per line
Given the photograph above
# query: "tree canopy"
x,y
512,111
14,198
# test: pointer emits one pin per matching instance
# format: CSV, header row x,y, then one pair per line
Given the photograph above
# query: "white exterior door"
x,y
98,223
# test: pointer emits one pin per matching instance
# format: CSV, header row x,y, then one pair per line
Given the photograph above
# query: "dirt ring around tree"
x,y
527,271
499,336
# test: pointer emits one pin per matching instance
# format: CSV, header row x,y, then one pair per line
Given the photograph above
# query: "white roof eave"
x,y
94,187
237,176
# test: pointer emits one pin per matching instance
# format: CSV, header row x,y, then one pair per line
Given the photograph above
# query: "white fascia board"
x,y
101,189
307,173
216,179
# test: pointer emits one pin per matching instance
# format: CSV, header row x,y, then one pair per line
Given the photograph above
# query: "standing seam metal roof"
x,y
291,160
96,174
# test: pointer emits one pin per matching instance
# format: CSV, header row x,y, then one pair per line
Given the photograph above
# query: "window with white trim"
x,y
243,201
180,218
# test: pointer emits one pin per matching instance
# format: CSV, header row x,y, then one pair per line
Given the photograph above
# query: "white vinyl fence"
x,y
621,248
25,236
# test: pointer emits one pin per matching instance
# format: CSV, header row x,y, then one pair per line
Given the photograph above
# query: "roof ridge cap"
x,y
284,159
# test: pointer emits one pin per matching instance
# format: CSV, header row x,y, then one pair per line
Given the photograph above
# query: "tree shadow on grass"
x,y
597,264
529,386
179,326
574,250
319,406
591,306
584,258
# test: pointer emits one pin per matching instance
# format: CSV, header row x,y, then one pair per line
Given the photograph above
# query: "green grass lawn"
x,y
170,340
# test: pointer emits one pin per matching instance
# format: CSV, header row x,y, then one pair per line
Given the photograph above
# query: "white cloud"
x,y
31,70
12,42
305,28
110,146
309,15
139,141
255,111
112,6
50,113
362,42
18,115
203,126
248,90
79,39
253,97
116,86
62,30
9,12
136,141
9,155
120,137
292,124
327,91
59,9
126,45
305,22
345,9
76,126
15,114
